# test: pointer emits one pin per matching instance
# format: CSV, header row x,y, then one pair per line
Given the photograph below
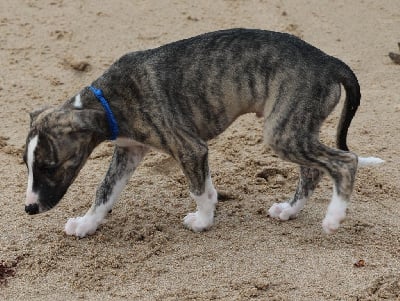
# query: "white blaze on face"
x,y
31,197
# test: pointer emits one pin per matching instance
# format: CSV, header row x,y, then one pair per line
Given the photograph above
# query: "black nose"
x,y
32,209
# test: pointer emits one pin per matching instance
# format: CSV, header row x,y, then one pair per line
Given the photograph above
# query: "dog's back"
x,y
204,83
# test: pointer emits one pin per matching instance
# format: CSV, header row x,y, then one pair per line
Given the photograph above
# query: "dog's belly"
x,y
218,116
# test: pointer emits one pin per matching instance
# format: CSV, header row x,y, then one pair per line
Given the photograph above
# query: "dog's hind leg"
x,y
292,131
340,165
342,168
309,178
123,164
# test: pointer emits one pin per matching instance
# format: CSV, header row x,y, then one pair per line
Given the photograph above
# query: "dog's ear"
x,y
90,120
34,114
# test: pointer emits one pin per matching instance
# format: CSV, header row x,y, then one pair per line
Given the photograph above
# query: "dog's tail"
x,y
349,80
369,161
350,83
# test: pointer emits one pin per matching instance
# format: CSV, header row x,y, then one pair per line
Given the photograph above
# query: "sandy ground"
x,y
50,49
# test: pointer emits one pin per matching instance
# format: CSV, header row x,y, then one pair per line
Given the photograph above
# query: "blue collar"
x,y
112,122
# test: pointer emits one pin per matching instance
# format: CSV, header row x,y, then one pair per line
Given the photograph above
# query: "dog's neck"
x,y
112,122
90,115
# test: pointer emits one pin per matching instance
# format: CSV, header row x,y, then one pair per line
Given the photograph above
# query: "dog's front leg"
x,y
123,164
193,159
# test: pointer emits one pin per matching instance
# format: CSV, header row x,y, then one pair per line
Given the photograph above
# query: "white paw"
x,y
198,222
81,226
282,211
331,223
330,226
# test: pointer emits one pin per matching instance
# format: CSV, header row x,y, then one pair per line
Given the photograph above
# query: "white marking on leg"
x,y
369,161
82,226
31,197
284,211
78,103
86,225
203,218
335,214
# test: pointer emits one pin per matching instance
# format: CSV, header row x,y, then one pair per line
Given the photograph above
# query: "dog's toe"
x,y
283,211
71,225
331,224
277,209
80,226
198,222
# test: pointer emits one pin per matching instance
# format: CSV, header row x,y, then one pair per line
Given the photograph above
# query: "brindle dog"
x,y
176,97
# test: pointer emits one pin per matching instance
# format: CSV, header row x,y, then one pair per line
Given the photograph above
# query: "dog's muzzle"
x,y
32,209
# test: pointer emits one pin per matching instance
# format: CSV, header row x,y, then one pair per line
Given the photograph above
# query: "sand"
x,y
50,49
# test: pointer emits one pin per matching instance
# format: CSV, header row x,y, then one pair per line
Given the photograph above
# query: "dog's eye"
x,y
50,171
48,167
51,166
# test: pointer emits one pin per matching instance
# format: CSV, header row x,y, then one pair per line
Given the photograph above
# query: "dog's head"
x,y
57,146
